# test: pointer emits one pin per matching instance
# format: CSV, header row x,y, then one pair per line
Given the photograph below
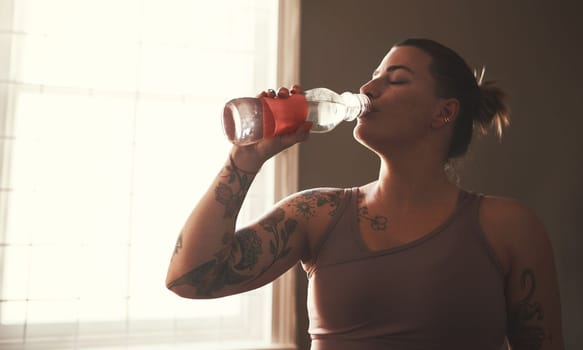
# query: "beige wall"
x,y
532,48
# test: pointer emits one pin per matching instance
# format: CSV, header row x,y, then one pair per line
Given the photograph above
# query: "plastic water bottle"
x,y
248,120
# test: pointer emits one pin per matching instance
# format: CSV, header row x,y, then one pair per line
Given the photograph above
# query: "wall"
x,y
532,48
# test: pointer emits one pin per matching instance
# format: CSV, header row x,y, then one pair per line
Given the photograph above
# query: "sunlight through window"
x,y
110,133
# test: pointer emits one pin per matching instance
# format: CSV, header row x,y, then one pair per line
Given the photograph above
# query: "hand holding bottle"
x,y
251,157
248,120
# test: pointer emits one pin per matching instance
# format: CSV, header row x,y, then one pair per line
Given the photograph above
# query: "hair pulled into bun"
x,y
482,104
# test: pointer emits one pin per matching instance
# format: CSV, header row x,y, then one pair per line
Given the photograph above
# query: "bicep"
x,y
287,235
533,301
249,258
267,249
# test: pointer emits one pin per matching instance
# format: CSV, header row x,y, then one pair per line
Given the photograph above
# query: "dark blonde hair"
x,y
482,104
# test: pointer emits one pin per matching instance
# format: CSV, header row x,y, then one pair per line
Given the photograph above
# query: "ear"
x,y
447,112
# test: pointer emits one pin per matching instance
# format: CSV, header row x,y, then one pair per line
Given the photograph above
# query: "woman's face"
x,y
403,95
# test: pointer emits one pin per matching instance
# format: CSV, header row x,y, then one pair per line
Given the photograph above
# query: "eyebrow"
x,y
394,68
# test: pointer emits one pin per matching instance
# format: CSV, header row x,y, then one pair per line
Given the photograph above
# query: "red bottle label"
x,y
283,115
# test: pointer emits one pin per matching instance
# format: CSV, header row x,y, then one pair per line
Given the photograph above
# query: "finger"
x,y
283,92
271,93
262,94
296,89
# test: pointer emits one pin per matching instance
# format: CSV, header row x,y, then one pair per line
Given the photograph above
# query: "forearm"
x,y
206,244
210,259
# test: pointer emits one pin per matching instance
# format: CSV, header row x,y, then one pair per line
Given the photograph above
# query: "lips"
x,y
367,114
364,118
372,108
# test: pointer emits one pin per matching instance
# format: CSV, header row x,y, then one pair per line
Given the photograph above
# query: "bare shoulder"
x,y
315,208
532,291
316,202
512,228
510,218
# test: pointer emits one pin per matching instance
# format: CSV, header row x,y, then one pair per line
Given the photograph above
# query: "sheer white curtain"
x,y
109,132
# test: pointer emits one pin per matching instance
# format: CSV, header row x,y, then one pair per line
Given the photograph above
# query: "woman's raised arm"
x,y
211,259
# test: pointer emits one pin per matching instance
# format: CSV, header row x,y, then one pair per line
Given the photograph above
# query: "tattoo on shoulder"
x,y
377,222
524,328
232,192
306,204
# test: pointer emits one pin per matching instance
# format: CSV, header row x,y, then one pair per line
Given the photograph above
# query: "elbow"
x,y
189,292
176,286
204,282
181,287
173,286
182,291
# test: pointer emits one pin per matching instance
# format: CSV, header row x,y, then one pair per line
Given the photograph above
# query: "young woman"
x,y
409,261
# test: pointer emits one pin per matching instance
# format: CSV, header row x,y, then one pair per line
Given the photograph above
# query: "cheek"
x,y
401,124
403,117
415,113
410,114
415,105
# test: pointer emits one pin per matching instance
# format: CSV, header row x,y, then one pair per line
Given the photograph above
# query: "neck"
x,y
413,183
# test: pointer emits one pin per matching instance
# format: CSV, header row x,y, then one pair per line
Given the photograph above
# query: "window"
x,y
109,133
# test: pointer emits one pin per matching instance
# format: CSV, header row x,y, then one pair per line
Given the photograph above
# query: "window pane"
x,y
110,134
18,279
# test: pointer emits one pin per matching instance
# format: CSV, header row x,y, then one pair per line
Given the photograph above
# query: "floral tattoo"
x,y
232,193
377,222
239,255
223,270
306,204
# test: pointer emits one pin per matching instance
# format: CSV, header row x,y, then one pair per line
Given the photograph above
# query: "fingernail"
x,y
282,92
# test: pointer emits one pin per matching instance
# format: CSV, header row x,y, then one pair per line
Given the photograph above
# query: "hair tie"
x,y
481,78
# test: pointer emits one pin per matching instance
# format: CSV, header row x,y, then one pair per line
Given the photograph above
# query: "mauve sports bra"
x,y
442,291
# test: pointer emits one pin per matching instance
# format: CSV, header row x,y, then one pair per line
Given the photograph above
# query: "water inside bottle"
x,y
325,114
242,121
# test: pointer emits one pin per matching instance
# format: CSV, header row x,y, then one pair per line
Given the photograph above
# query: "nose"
x,y
369,89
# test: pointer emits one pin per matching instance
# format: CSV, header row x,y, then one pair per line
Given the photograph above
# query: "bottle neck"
x,y
356,105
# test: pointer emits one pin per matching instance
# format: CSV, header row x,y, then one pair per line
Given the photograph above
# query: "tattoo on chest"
x,y
524,330
306,204
377,222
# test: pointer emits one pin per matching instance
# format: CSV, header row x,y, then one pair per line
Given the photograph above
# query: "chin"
x,y
375,139
357,132
364,136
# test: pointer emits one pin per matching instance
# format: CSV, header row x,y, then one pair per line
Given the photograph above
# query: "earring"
x,y
446,120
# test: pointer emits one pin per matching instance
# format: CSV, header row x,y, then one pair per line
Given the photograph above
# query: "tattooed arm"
x,y
532,291
211,259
